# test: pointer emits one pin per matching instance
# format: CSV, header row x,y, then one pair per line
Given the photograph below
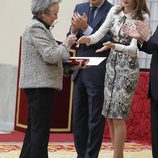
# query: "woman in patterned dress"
x,y
122,68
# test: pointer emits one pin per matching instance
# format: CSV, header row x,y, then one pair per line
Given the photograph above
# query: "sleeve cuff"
x,y
147,39
88,31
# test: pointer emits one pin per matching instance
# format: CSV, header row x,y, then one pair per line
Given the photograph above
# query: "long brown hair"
x,y
141,8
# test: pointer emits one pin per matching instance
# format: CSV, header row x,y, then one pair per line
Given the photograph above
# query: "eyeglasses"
x,y
53,13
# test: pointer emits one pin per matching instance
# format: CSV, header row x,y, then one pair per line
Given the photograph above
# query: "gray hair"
x,y
38,6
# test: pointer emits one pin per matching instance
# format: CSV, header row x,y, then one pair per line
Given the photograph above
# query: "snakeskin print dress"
x,y
122,72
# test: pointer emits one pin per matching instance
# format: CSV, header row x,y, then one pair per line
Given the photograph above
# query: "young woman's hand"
x,y
83,40
106,46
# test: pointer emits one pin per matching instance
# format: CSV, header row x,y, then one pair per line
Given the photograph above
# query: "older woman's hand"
x,y
80,66
70,40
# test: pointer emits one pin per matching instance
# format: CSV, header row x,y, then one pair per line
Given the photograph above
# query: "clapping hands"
x,y
141,32
78,22
132,32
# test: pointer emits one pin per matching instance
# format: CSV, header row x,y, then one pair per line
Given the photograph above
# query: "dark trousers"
x,y
36,139
88,122
154,128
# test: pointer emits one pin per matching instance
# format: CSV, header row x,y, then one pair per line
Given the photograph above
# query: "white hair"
x,y
38,6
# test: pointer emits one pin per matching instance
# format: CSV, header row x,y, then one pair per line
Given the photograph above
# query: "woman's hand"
x,y
84,40
80,66
70,40
106,46
132,32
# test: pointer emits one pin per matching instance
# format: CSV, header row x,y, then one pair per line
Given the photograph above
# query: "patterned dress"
x,y
122,68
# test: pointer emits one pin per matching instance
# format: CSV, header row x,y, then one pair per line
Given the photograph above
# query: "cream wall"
x,y
15,14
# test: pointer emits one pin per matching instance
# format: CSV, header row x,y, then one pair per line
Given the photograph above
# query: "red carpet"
x,y
67,150
18,137
54,137
61,146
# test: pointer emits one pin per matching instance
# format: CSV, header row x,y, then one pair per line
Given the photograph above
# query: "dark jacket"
x,y
151,47
90,51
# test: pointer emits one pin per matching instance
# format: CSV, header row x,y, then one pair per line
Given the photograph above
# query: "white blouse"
x,y
113,18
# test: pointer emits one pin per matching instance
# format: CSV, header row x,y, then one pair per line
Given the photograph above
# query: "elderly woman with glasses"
x,y
41,74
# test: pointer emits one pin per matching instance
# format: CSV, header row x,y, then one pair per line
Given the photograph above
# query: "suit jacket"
x,y
151,47
90,51
41,58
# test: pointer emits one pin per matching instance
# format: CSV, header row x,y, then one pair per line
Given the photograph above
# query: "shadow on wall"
x,y
8,84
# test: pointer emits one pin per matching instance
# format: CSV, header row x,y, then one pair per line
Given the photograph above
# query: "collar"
x,y
130,14
42,21
99,5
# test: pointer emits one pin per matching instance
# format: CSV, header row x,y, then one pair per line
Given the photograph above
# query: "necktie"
x,y
91,14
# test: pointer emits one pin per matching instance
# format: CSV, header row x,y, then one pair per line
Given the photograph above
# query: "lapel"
x,y
101,14
86,9
156,32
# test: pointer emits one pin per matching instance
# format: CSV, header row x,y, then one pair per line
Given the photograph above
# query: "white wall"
x,y
8,80
15,14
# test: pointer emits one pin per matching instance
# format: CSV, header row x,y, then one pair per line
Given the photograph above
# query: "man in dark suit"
x,y
150,46
88,123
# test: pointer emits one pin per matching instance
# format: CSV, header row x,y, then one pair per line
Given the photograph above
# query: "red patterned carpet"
x,y
61,146
67,150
